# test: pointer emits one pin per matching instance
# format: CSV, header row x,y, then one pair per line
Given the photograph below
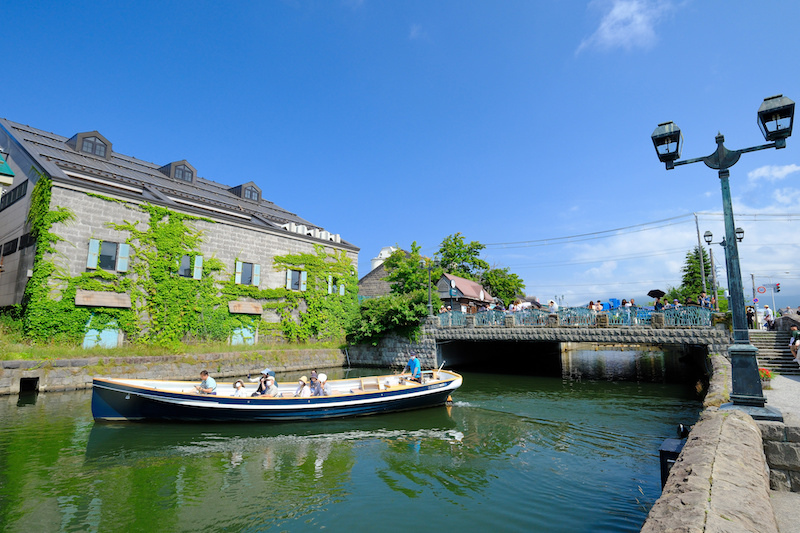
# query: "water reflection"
x,y
530,453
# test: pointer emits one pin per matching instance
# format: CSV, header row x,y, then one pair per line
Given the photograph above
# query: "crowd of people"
x,y
316,385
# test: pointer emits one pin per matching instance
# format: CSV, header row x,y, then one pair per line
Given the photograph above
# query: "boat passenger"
x,y
303,388
324,388
238,388
314,384
272,389
208,385
262,381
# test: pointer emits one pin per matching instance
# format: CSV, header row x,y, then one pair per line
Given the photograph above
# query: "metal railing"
x,y
689,316
577,316
685,317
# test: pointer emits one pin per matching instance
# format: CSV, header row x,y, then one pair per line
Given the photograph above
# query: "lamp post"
x,y
429,264
708,237
775,117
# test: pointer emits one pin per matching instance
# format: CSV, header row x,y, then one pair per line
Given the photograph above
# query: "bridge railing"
x,y
577,316
683,317
453,318
690,316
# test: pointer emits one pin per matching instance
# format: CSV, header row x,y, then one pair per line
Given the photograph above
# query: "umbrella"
x,y
656,293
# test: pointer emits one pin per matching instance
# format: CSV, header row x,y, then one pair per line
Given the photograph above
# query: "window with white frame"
x,y
189,270
108,255
247,273
335,285
296,280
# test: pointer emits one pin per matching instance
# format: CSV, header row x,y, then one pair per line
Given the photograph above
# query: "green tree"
x,y
502,284
399,313
692,280
462,259
408,271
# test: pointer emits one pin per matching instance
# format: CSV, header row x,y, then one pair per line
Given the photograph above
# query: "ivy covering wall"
x,y
167,308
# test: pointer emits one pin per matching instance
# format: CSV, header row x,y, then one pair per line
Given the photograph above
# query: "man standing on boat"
x,y
415,368
208,385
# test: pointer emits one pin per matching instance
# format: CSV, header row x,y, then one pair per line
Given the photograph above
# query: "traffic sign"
x,y
761,290
755,300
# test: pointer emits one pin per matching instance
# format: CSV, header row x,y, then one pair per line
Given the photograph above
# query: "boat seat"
x,y
370,384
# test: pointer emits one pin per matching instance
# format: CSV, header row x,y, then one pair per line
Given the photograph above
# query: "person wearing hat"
x,y
238,388
314,384
272,389
303,388
262,381
321,386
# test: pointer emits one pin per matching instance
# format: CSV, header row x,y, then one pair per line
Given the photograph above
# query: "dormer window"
x,y
180,170
94,146
91,142
251,193
183,173
248,191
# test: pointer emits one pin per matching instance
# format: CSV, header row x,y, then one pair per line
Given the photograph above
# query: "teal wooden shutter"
x,y
238,277
123,257
303,280
341,289
289,279
256,275
330,284
197,273
94,253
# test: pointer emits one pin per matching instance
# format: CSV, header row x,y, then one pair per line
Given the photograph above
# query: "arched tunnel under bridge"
x,y
575,360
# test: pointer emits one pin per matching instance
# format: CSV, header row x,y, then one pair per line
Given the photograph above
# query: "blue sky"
x,y
391,122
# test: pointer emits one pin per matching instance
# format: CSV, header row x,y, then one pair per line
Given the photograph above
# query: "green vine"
x,y
167,308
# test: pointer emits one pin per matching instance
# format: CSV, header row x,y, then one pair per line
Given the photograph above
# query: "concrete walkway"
x,y
785,396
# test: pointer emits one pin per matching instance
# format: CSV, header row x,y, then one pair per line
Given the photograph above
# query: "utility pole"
x,y
700,251
753,281
714,280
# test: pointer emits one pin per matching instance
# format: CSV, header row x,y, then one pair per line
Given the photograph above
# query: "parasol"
x,y
656,293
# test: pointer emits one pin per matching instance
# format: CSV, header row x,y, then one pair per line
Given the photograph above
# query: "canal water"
x,y
514,453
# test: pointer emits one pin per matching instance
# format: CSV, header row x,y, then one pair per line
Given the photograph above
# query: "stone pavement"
x,y
785,396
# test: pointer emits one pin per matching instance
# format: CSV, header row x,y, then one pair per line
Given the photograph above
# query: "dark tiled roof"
x,y
157,186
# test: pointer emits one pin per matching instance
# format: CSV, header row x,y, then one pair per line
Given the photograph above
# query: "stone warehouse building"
x,y
103,250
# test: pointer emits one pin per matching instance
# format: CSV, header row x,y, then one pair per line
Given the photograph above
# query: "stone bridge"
x,y
468,339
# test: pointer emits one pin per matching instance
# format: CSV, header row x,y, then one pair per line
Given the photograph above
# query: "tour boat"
x,y
147,399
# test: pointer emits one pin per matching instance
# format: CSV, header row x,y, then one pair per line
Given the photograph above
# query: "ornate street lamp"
x,y
775,118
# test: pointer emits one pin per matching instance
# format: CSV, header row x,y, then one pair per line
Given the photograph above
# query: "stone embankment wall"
x,y
71,374
722,478
393,350
720,481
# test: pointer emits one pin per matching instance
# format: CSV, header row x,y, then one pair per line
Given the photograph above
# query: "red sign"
x,y
762,290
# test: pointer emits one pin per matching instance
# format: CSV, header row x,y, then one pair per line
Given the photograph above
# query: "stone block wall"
x,y
393,350
782,449
72,374
227,241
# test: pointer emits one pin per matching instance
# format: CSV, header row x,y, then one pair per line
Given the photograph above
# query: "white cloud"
x,y
416,32
626,24
771,173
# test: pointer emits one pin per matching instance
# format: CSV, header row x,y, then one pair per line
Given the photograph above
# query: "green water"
x,y
515,453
